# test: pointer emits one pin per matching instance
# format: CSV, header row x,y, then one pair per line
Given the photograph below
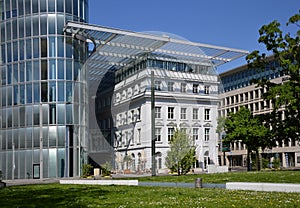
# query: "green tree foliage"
x,y
221,123
243,126
181,155
285,96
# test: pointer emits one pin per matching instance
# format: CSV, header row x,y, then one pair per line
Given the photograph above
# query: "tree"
x,y
181,155
243,126
285,96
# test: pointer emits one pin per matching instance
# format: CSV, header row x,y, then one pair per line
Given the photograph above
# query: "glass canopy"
x,y
115,48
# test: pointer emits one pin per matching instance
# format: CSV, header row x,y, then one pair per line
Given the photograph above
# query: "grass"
x,y
56,195
267,176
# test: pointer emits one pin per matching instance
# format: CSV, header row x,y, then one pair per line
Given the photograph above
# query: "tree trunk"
x,y
249,166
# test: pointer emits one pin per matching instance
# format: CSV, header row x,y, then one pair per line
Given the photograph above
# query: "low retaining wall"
x,y
101,182
278,187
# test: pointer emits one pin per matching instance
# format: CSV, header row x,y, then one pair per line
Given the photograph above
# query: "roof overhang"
x,y
115,48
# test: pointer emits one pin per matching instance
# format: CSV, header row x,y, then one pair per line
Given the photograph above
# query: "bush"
x,y
106,169
86,170
276,163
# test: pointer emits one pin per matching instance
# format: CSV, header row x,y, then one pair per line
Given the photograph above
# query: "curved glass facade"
x,y
43,89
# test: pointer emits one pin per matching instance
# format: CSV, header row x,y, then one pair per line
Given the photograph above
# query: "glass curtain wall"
x,y
43,85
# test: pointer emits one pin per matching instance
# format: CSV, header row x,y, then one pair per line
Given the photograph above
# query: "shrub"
x,y
106,169
86,170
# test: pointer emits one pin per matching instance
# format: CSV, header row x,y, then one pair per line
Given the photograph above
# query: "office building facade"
x,y
238,90
43,104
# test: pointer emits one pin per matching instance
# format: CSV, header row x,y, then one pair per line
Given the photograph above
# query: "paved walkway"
x,y
21,182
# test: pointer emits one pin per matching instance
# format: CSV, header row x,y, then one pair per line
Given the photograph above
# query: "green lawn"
x,y
56,195
267,176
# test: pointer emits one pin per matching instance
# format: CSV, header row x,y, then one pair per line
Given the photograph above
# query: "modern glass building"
x,y
42,85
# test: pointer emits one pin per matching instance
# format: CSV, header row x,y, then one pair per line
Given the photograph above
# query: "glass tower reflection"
x,y
43,85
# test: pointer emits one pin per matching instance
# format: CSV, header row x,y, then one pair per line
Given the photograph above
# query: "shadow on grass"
x,y
51,196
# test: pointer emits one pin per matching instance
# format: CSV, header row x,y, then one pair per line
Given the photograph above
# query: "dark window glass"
x,y
60,6
28,26
28,71
68,6
29,93
3,49
16,95
22,72
15,51
2,32
51,5
35,6
75,7
44,92
60,47
27,8
9,52
36,70
7,8
44,70
35,25
81,6
15,74
22,94
61,91
3,77
43,7
3,99
61,70
36,51
21,28
60,24
52,115
69,47
8,31
9,74
69,70
15,29
21,7
44,47
28,49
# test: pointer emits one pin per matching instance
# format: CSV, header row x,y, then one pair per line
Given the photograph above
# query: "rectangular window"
x,y
139,114
195,88
195,134
139,136
170,133
158,134
170,112
195,113
157,85
206,89
207,114
157,112
183,87
170,86
183,113
206,134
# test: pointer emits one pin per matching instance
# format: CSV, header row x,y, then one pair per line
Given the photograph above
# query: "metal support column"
x,y
153,125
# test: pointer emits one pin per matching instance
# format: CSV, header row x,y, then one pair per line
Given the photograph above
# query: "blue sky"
x,y
229,23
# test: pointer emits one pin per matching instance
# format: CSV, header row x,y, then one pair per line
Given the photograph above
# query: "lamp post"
x,y
153,125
